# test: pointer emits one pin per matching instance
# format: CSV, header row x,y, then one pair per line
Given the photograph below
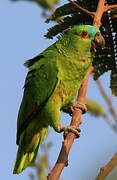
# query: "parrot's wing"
x,y
39,85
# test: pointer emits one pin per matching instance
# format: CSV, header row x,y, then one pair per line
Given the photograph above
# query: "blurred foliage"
x,y
106,59
46,4
94,108
97,110
42,164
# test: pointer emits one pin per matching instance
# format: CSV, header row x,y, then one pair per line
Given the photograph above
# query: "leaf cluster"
x,y
43,3
41,165
106,59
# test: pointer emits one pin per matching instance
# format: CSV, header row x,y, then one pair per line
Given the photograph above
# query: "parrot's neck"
x,y
77,59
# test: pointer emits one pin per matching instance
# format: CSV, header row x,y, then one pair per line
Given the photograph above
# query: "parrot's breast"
x,y
71,73
68,91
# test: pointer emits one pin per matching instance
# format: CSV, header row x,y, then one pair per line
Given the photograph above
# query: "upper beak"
x,y
98,42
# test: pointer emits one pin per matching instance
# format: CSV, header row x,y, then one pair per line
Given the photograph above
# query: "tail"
x,y
27,154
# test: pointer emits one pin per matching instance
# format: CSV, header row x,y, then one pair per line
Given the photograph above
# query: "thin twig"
x,y
104,171
107,8
83,9
107,99
66,146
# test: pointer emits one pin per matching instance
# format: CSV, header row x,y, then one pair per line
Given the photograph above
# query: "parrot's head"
x,y
85,32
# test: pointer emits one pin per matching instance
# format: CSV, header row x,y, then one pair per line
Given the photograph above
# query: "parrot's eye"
x,y
84,34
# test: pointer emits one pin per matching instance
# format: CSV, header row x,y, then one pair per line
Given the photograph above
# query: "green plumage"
x,y
52,83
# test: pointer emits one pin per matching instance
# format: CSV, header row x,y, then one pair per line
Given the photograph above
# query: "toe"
x,y
74,130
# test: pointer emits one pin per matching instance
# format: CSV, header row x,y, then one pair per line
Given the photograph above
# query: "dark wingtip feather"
x,y
31,62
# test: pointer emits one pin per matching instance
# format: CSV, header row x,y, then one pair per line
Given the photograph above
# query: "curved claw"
x,y
67,129
77,105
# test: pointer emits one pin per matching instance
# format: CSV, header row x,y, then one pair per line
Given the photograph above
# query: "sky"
x,y
21,38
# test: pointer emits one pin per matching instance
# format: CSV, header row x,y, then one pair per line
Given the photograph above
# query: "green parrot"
x,y
51,84
46,4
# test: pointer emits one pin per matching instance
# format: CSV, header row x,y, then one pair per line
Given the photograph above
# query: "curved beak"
x,y
98,42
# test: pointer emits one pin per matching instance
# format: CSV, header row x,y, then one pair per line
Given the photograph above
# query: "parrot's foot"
x,y
77,105
66,129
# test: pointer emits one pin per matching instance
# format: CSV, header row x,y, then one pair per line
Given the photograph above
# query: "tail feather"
x,y
26,157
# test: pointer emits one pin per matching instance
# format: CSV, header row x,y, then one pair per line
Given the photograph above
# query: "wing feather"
x,y
39,85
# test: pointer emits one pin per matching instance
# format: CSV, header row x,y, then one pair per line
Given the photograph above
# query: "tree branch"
x,y
81,8
107,99
104,171
99,12
66,145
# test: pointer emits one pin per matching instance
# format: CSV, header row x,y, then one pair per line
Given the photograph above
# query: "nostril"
x,y
98,34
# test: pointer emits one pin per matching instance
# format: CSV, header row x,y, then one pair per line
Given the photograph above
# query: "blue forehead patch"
x,y
92,30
